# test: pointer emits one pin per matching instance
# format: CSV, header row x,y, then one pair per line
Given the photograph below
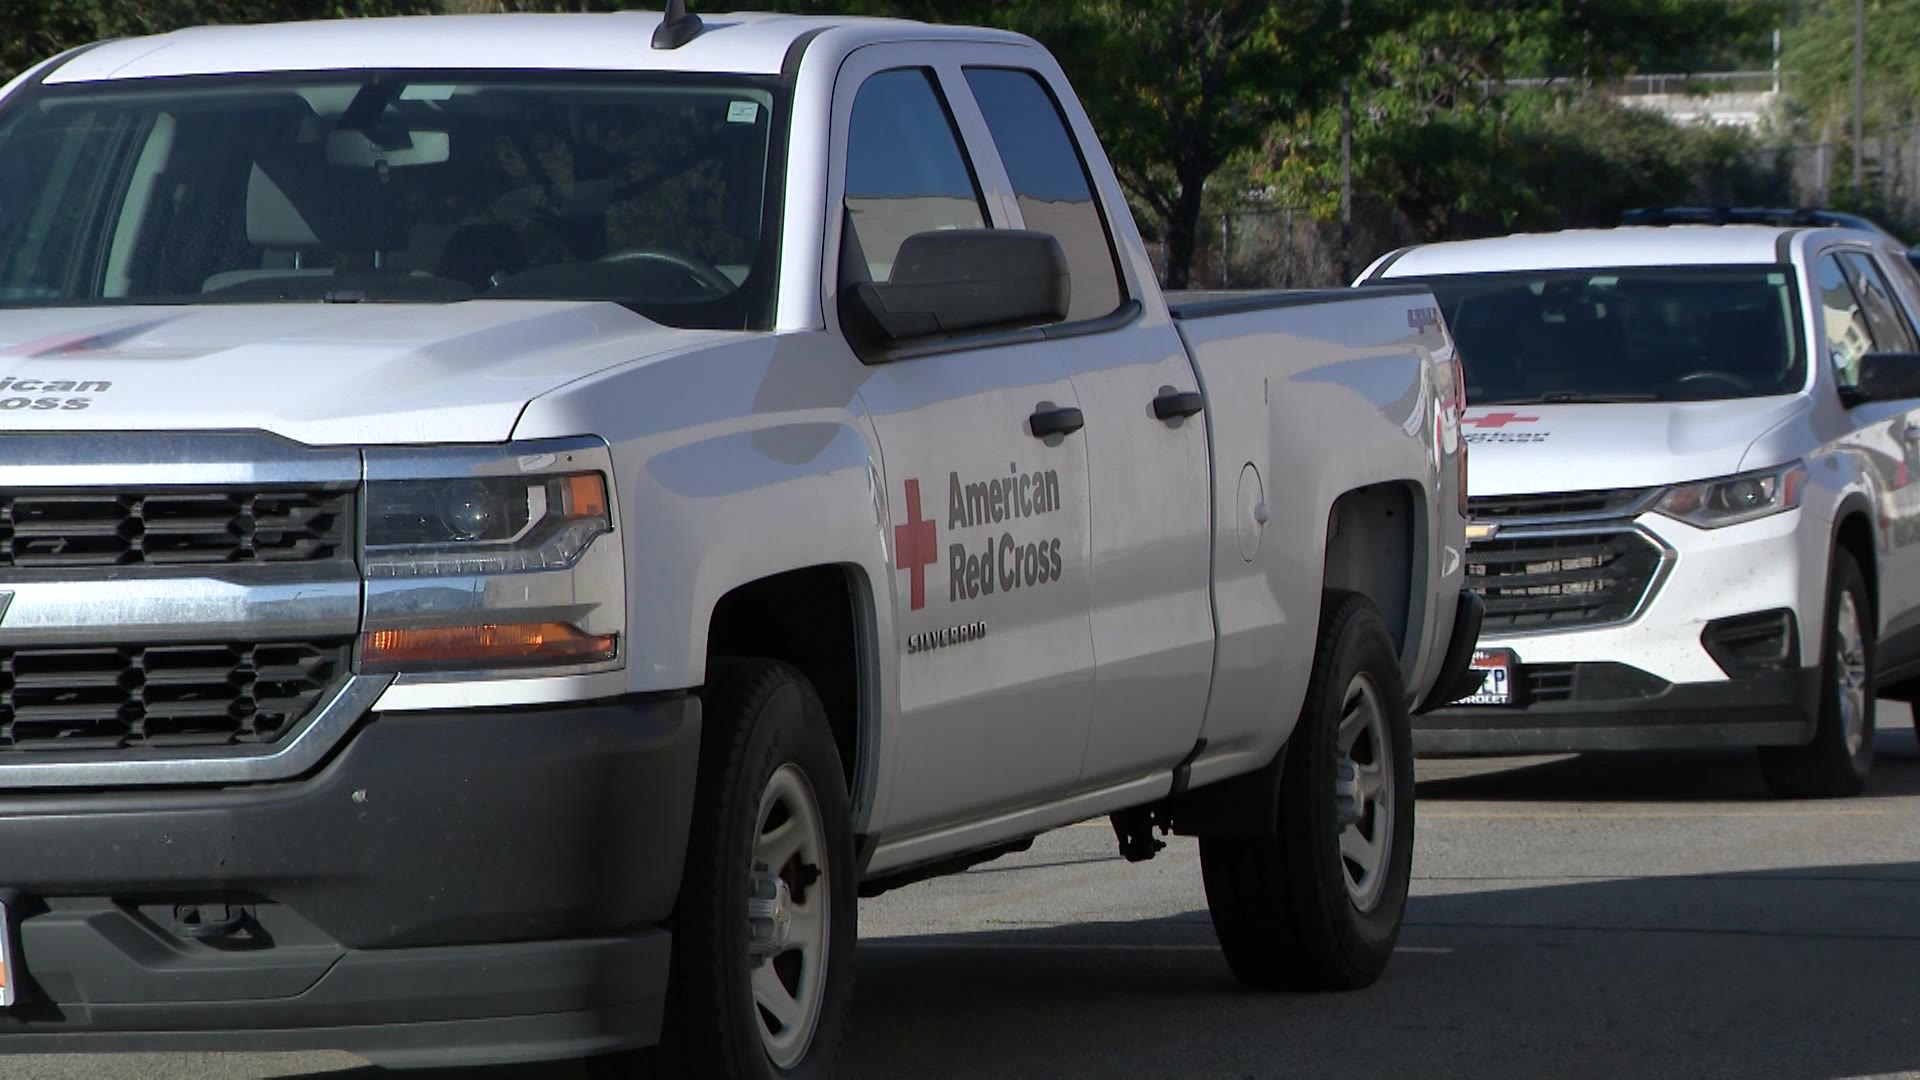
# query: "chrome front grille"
x,y
113,698
77,529
176,608
1563,561
1562,580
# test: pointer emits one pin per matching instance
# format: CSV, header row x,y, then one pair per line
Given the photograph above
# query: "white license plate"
x,y
6,958
1496,678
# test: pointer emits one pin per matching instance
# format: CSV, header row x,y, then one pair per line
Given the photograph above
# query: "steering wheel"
x,y
1734,381
706,274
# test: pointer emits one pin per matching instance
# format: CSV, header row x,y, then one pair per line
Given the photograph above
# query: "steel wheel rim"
x,y
1850,672
789,909
1364,792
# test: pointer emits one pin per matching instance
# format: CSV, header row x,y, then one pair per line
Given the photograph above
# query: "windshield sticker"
x,y
742,112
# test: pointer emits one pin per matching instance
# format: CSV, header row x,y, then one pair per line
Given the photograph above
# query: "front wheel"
x,y
1318,905
1836,763
763,945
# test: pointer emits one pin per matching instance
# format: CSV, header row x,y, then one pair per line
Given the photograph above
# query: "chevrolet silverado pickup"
x,y
512,525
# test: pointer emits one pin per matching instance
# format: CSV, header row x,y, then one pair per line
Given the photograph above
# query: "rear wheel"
x,y
1840,757
763,943
1318,905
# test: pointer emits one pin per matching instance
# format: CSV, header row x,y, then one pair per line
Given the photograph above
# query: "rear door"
x,y
1153,628
988,524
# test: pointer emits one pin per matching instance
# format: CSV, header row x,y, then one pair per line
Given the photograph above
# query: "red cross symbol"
x,y
1499,420
915,546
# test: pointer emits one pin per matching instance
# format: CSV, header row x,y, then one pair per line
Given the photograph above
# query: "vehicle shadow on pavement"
x,y
1795,973
1798,975
1662,776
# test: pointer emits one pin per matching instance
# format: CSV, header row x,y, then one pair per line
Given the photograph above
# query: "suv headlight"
x,y
485,559
1731,500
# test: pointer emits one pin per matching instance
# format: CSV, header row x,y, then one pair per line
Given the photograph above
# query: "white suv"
x,y
1693,480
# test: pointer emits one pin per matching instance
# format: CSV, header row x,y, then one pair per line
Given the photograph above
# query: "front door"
x,y
988,523
1862,314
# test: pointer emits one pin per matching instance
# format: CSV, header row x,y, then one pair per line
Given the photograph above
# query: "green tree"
x,y
1179,88
37,29
1452,145
1818,61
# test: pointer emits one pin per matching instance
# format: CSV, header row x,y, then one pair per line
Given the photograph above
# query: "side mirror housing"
x,y
960,281
1886,376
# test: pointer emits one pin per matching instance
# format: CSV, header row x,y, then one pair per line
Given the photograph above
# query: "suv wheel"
x,y
1835,764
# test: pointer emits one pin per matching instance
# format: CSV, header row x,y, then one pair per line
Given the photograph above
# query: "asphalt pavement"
x,y
1599,915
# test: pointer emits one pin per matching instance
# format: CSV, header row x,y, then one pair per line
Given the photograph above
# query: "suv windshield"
x,y
413,186
1626,334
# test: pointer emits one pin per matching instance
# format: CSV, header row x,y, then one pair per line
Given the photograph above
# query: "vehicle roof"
x,y
1578,249
744,43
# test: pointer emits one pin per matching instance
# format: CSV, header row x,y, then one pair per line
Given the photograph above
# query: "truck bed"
x,y
1314,395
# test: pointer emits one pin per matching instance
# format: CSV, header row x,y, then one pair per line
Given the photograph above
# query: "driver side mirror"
x,y
1885,376
957,281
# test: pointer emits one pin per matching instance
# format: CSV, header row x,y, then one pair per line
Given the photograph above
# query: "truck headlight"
x,y
484,560
1730,500
483,525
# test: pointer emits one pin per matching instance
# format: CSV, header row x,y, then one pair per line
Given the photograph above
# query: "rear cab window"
x,y
1050,182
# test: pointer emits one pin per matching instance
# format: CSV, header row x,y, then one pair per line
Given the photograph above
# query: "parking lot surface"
x,y
1602,915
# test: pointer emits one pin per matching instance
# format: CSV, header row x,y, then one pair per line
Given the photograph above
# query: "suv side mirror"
x,y
1886,376
955,281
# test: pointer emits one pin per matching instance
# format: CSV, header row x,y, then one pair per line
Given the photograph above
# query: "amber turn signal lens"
x,y
586,496
501,645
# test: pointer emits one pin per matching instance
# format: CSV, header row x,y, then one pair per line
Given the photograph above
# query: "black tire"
x,y
759,717
1281,904
1834,765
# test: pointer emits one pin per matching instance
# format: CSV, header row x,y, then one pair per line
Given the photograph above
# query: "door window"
x,y
1050,181
906,173
1849,335
1890,330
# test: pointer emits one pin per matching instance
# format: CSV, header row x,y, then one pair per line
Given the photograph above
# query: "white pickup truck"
x,y
1696,488
512,524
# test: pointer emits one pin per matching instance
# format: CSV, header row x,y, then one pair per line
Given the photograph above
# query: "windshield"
x,y
1626,334
417,187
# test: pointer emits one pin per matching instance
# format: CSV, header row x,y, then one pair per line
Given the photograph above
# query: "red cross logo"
x,y
1499,420
915,546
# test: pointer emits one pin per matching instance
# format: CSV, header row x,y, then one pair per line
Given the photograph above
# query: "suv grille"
x,y
1618,503
174,527
109,698
1555,580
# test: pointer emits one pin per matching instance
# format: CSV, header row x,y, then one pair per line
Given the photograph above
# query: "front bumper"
x,y
450,888
1615,707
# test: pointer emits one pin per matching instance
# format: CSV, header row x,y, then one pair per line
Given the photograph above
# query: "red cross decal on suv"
x,y
1498,420
915,547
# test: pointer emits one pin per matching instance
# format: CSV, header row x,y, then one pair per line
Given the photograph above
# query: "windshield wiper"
x,y
1570,397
